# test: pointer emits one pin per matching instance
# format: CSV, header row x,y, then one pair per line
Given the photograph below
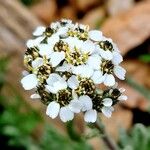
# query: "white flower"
x,y
65,67
119,72
65,63
107,111
73,42
117,58
94,61
83,70
53,109
56,58
35,96
25,73
106,54
66,114
97,77
109,80
34,42
73,82
88,47
95,35
90,116
37,62
55,83
39,31
122,98
107,102
45,50
29,82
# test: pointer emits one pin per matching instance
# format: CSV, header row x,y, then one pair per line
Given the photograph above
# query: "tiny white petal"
x,y
62,30
45,50
86,102
90,116
51,89
37,62
94,61
75,106
109,80
117,58
56,58
119,72
53,77
64,67
73,82
53,109
39,31
25,73
53,39
95,35
35,96
122,98
122,90
97,77
31,43
107,102
66,114
59,85
29,82
107,111
87,47
106,54
83,71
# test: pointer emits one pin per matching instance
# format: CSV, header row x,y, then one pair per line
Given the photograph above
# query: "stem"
x,y
71,132
106,139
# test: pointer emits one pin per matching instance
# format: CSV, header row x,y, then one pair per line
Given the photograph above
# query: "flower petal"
x,y
53,109
87,47
83,71
75,106
122,98
90,116
29,82
66,114
107,102
86,102
119,72
35,96
73,82
107,111
37,62
45,50
56,58
97,77
25,73
39,31
109,80
106,54
53,77
94,62
64,67
117,58
95,35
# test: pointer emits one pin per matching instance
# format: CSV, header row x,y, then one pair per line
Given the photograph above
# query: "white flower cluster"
x,y
65,63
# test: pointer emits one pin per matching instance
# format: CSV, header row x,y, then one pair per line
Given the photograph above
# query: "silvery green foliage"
x,y
65,64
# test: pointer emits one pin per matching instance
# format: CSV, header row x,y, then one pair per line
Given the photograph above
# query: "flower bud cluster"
x,y
65,63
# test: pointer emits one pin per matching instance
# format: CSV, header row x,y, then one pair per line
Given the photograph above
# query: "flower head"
x,y
65,63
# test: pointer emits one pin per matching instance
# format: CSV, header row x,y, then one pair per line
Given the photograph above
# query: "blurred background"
x,y
23,123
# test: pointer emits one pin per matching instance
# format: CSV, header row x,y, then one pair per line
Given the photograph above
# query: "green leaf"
x,y
145,58
137,139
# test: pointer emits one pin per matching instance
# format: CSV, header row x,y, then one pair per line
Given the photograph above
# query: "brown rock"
x,y
130,29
